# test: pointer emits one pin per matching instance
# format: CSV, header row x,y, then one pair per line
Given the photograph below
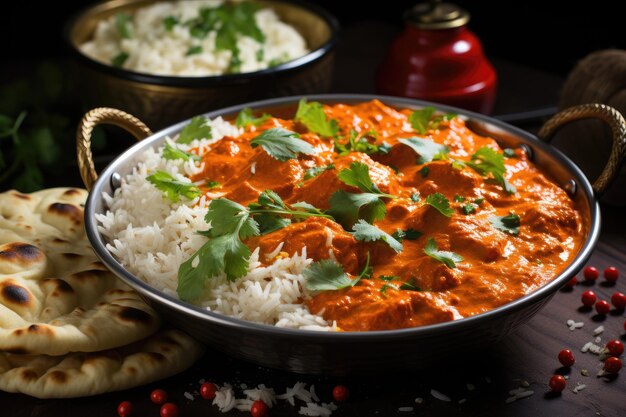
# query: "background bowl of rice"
x,y
162,100
330,352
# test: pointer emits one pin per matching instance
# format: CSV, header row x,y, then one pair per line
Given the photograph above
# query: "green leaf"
x,y
509,153
313,117
458,198
426,149
408,234
389,277
440,203
327,275
366,232
468,208
347,208
226,216
424,171
246,118
282,144
122,21
410,286
479,201
358,175
169,22
308,208
362,144
449,259
419,119
172,187
508,224
119,59
172,153
194,50
196,129
491,162
415,197
315,171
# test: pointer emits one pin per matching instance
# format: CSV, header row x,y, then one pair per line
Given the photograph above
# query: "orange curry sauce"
x,y
497,267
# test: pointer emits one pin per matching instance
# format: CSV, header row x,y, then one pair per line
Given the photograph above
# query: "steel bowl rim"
x,y
179,306
212,80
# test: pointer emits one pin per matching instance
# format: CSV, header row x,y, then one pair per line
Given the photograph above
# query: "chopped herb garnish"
x,y
260,54
410,286
119,59
425,148
196,129
122,20
408,234
275,62
169,22
491,162
440,203
246,118
449,259
415,197
173,153
479,201
313,117
315,171
362,144
389,277
172,187
366,232
282,144
458,198
211,185
385,287
468,208
194,50
458,165
424,119
509,153
347,207
327,275
424,171
508,224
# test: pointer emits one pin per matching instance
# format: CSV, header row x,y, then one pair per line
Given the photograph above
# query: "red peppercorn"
x,y
208,390
615,347
619,300
557,383
158,396
341,393
566,357
603,307
259,409
125,409
588,298
169,410
612,365
591,273
611,274
572,282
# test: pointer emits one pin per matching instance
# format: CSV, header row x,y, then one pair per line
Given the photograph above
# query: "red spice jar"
x,y
436,58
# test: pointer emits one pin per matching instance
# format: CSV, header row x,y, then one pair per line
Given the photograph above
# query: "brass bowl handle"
x,y
102,115
618,128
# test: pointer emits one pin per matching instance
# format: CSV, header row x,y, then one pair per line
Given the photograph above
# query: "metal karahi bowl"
x,y
163,100
343,353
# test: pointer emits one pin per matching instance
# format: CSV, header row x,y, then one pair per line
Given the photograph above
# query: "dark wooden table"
x,y
530,354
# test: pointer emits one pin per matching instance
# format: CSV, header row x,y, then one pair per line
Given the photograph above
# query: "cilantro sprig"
x,y
486,161
172,153
173,188
366,232
196,129
315,171
426,149
246,118
439,202
328,275
369,205
282,144
425,119
508,224
311,114
364,144
408,234
449,259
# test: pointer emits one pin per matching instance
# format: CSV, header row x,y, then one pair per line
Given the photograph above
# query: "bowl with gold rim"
x,y
411,239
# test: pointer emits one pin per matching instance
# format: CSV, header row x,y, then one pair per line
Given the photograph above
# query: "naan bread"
x,y
55,296
81,374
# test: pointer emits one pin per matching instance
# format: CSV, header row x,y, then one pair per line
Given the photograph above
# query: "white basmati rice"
x,y
151,237
153,49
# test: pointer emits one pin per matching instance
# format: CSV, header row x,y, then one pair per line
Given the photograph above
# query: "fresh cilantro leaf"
x,y
119,59
282,144
363,145
419,119
468,208
194,50
275,62
122,21
508,224
347,208
424,171
389,277
449,259
440,203
366,232
458,198
479,201
358,175
172,187
408,234
308,208
326,275
211,184
260,54
509,153
425,148
246,118
313,117
169,22
415,197
225,216
458,165
315,171
435,122
196,129
491,162
172,153
410,285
